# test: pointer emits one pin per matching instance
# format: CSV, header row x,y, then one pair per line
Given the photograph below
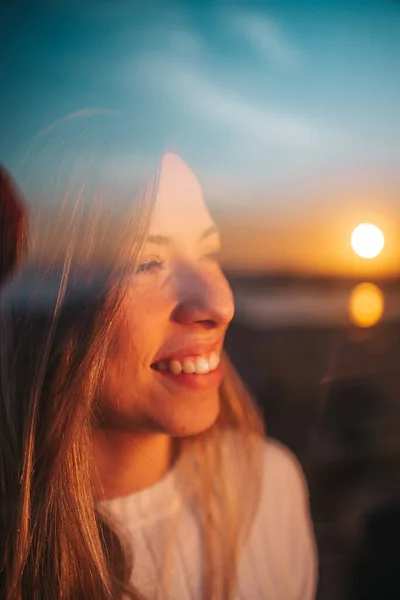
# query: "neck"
x,y
127,462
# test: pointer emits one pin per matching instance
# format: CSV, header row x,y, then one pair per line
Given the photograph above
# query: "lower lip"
x,y
207,381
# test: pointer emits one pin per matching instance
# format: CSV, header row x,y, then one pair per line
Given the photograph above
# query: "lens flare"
x,y
366,305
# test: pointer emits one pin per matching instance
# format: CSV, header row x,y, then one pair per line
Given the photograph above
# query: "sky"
x,y
287,111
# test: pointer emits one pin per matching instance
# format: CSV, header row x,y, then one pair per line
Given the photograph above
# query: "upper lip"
x,y
188,350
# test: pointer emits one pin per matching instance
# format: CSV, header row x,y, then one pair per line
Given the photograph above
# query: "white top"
x,y
279,560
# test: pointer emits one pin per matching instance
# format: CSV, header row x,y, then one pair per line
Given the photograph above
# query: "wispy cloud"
x,y
265,36
196,92
184,42
178,74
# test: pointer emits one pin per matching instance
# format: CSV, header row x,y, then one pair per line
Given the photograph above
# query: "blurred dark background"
x,y
330,392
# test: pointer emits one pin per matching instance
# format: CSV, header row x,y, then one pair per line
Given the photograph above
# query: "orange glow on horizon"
x,y
313,243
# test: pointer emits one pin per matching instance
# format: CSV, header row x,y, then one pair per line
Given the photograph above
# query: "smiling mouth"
x,y
191,365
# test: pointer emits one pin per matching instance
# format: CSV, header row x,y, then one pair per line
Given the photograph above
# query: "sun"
x,y
367,240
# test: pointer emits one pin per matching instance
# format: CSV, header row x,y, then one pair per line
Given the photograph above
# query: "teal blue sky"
x,y
254,95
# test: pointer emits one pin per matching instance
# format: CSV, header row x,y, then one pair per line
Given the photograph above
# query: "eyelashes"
x,y
215,256
153,265
149,266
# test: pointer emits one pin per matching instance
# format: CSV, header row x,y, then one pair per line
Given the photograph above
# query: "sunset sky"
x,y
287,111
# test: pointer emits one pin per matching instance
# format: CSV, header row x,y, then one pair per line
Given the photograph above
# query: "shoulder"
x,y
279,455
284,498
283,519
281,469
274,469
277,466
280,461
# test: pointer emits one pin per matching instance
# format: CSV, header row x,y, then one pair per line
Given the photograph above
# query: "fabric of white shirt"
x,y
279,561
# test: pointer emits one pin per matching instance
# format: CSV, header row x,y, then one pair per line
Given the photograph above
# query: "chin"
x,y
193,418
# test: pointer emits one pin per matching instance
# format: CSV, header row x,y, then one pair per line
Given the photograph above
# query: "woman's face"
x,y
164,374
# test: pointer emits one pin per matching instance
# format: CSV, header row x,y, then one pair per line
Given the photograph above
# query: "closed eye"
x,y
149,266
214,256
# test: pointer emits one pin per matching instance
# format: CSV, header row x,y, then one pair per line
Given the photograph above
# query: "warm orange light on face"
x,y
367,240
366,305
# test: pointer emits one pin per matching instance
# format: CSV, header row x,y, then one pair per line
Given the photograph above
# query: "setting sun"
x,y
367,240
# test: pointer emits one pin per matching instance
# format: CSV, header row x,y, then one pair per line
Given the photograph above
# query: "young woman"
x,y
133,462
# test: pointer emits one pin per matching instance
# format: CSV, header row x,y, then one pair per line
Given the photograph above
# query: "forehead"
x,y
180,207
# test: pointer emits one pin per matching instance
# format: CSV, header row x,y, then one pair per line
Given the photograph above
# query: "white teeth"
x,y
188,366
214,361
200,365
175,367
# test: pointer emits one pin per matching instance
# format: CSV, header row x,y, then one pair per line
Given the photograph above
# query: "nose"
x,y
204,299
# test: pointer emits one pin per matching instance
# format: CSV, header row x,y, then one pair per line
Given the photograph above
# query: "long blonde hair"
x,y
53,540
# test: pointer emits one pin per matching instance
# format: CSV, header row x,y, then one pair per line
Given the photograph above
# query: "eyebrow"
x,y
163,240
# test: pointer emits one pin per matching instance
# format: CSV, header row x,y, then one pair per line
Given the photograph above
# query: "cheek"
x,y
124,356
123,381
144,304
122,371
135,339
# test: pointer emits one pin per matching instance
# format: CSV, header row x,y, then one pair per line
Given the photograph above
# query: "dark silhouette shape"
x,y
13,225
